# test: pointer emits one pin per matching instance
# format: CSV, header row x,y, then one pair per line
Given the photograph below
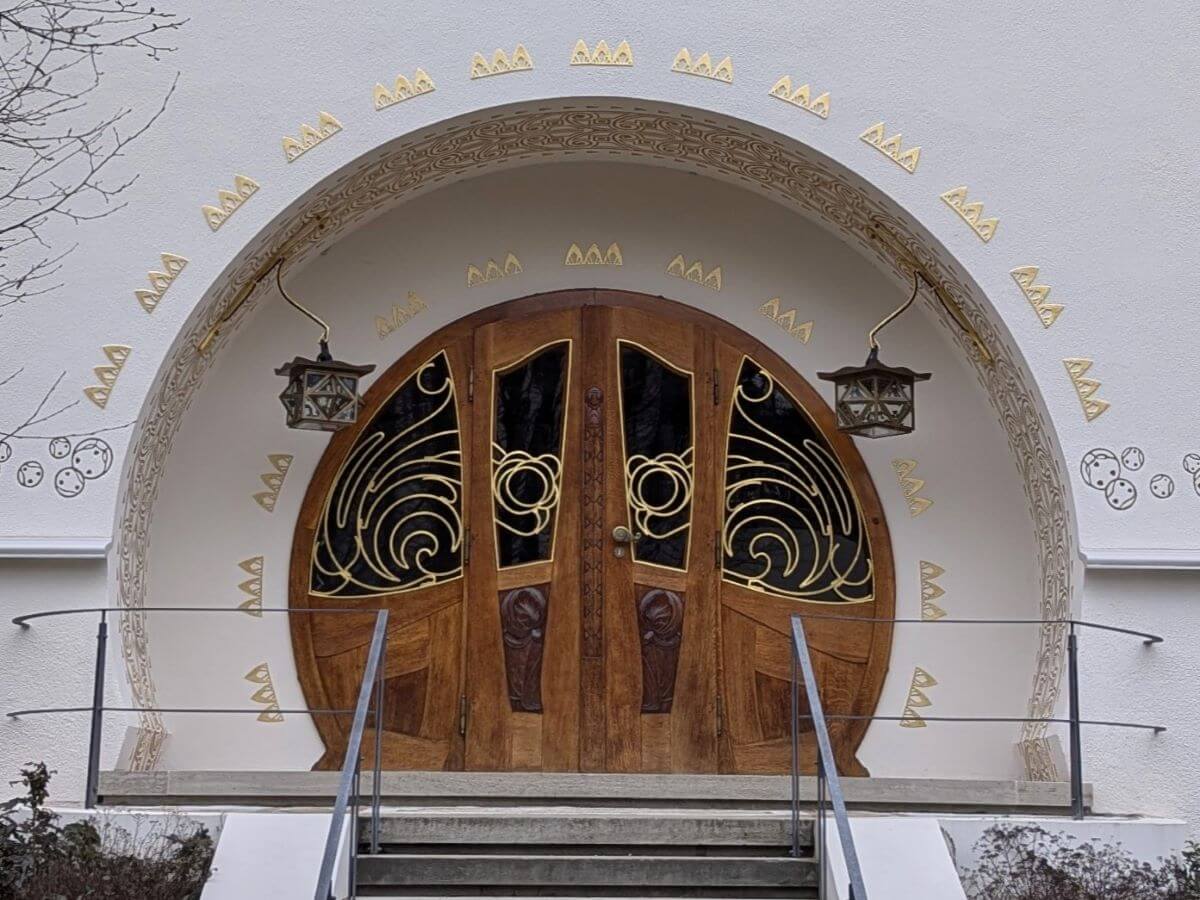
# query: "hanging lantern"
x,y
322,393
876,400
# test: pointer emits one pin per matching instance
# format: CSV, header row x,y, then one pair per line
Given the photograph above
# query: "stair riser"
x,y
576,871
418,829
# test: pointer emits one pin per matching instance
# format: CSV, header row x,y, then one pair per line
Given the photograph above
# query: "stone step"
x,y
535,870
623,826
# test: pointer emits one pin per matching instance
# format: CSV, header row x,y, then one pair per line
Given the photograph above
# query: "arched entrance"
x,y
590,514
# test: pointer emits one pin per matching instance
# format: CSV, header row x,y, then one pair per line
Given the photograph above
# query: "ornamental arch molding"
x,y
707,143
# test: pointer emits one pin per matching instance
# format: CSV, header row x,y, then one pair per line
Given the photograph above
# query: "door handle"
x,y
623,535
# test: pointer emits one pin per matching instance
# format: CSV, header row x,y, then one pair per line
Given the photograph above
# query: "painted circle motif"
x,y
69,482
5,452
92,458
1120,494
1133,458
30,474
60,448
1162,486
1100,468
1191,463
1196,482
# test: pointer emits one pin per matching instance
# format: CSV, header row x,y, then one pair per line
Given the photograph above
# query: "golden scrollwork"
x,y
660,519
793,526
528,514
393,520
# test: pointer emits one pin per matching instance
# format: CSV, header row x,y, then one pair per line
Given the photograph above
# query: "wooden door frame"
x,y
341,444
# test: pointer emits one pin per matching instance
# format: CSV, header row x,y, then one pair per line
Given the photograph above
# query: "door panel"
x,y
522,683
591,516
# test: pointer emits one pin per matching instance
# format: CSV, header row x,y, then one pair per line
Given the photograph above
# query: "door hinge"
x,y
467,547
716,388
462,715
471,385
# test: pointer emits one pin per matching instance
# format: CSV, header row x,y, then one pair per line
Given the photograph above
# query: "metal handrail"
x,y
372,681
1079,623
827,773
24,620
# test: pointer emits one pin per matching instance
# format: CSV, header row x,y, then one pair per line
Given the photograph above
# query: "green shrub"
x,y
1026,862
43,860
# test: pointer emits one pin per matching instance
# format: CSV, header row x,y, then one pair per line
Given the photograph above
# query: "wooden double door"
x,y
591,515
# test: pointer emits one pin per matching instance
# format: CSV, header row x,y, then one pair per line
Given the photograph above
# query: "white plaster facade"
x,y
1058,121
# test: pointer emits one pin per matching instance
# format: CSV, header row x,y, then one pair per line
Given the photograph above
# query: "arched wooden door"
x,y
591,514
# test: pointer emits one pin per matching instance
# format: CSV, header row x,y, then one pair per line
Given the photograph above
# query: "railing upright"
x,y
827,773
348,785
1075,735
92,785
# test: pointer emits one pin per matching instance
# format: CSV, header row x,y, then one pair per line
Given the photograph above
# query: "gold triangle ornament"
x,y
117,355
172,265
1085,388
931,591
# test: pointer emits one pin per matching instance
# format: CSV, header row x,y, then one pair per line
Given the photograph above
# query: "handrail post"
x,y
1076,739
92,788
376,775
795,757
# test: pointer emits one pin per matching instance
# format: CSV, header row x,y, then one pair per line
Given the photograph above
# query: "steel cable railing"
x,y
827,780
349,792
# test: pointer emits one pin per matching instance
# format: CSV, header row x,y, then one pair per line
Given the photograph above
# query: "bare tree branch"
x,y
53,160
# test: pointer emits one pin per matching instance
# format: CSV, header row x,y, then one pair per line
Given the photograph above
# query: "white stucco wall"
x,y
1069,124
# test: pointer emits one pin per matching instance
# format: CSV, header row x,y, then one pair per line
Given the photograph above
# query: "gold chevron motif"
x,y
160,281
265,695
601,56
911,486
280,463
492,271
1077,368
400,315
801,97
593,257
1036,294
917,699
971,213
402,90
327,127
228,202
931,591
695,272
252,587
501,64
787,320
891,148
723,71
107,375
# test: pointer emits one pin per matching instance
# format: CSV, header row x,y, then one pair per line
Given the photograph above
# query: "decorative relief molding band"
x,y
891,148
261,675
917,699
160,281
971,213
930,591
280,462
703,66
400,315
593,256
521,61
228,202
252,587
1077,368
54,547
327,127
787,320
601,56
1036,294
1140,559
800,97
492,272
911,486
695,272
117,355
402,90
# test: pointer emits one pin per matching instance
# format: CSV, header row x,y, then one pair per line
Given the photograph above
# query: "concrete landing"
x,y
581,789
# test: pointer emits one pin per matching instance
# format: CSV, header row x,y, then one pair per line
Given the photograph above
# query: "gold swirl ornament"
x,y
544,471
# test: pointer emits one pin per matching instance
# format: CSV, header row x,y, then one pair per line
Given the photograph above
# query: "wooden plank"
x,y
440,721
527,737
405,751
592,724
737,660
657,751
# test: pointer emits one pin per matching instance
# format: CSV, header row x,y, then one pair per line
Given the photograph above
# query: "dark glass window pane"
x,y
656,417
393,521
530,401
792,523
